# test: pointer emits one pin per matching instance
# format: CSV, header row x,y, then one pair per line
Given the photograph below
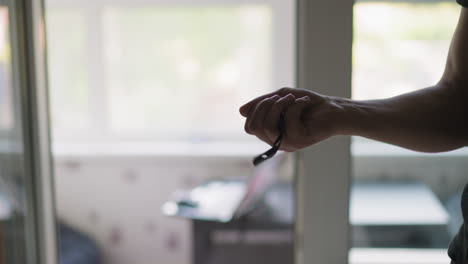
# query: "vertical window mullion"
x,y
323,180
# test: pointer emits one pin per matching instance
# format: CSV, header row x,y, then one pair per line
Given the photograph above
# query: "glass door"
x,y
27,228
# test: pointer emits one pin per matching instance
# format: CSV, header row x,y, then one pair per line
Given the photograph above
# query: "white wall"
x,y
117,200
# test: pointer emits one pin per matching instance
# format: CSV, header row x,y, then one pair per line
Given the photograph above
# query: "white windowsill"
x,y
398,256
169,149
216,149
222,149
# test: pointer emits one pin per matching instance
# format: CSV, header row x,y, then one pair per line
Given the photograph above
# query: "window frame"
x,y
29,137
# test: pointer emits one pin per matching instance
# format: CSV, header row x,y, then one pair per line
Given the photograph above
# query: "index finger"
x,y
245,109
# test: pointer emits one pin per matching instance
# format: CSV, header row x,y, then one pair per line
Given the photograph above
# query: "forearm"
x,y
434,119
431,120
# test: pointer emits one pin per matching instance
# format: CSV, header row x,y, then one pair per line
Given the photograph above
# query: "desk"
x,y
397,215
382,215
395,204
375,204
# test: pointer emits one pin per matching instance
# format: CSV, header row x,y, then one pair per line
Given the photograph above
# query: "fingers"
x,y
263,118
295,129
272,119
255,121
245,109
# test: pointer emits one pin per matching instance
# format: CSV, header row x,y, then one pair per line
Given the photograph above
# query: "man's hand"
x,y
309,117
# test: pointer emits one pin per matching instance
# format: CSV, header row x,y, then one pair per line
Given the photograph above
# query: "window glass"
x,y
402,199
400,47
183,72
160,72
68,77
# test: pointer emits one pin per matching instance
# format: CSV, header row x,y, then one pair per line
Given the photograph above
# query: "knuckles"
x,y
284,90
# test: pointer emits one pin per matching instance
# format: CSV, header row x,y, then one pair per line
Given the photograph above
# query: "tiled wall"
x,y
117,201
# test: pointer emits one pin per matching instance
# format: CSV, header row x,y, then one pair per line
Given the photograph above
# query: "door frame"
x,y
29,49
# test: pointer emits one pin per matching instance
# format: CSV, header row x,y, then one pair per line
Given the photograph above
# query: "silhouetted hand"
x,y
309,117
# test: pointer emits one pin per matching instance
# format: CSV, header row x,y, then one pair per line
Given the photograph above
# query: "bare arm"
x,y
433,119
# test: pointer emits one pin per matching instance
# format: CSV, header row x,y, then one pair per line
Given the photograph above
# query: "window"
x,y
151,70
400,47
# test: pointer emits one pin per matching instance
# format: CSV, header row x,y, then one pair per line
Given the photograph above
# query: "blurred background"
x,y
144,97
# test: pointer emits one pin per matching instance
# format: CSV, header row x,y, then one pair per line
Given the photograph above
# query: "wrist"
x,y
349,116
